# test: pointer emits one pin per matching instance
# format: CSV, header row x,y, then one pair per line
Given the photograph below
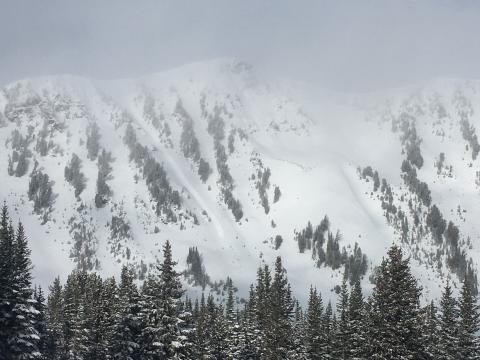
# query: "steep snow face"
x,y
209,156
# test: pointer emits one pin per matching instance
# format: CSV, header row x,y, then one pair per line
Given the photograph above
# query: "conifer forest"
x,y
88,317
239,180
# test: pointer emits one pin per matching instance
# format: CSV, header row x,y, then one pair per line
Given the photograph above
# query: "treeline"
x,y
167,199
310,238
93,318
427,219
216,128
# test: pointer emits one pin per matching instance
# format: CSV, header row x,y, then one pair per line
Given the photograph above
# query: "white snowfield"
x,y
312,142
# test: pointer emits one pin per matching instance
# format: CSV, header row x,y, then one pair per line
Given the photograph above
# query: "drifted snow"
x,y
312,141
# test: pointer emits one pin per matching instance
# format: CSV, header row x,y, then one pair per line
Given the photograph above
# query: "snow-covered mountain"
x,y
211,156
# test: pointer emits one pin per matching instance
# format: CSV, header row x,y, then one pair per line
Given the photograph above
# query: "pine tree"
x,y
279,322
356,317
396,310
55,347
211,330
23,342
469,323
232,326
109,311
448,325
93,140
170,296
250,331
187,329
329,326
127,337
315,336
74,175
202,330
218,329
430,332
40,321
75,316
104,192
299,348
343,330
6,281
262,307
151,317
93,318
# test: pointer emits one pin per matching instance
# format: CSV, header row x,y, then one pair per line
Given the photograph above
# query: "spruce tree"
x,y
469,323
279,322
127,337
218,329
299,348
55,347
151,317
356,325
6,281
430,332
396,309
232,325
170,296
40,322
109,310
250,331
23,340
262,307
329,327
187,329
343,330
448,325
202,330
315,336
104,192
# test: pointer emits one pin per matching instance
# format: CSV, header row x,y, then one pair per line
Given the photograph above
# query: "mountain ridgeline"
x,y
235,171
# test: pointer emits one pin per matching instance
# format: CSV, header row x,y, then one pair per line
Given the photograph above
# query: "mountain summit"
x,y
234,171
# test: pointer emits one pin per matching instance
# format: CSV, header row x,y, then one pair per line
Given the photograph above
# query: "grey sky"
x,y
346,45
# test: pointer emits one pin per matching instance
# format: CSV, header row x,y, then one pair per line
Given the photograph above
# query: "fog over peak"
x,y
346,45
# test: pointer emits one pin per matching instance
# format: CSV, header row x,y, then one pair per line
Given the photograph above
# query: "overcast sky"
x,y
344,45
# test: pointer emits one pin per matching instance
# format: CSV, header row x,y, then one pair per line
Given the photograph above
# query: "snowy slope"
x,y
312,142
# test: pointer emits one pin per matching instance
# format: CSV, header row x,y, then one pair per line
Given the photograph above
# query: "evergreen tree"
x,y
343,331
232,325
40,321
299,349
74,175
170,296
218,329
396,310
315,336
329,327
448,325
356,318
279,322
93,140
93,318
127,337
430,332
151,317
104,192
109,309
55,347
23,340
187,329
202,330
469,323
6,280
250,332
